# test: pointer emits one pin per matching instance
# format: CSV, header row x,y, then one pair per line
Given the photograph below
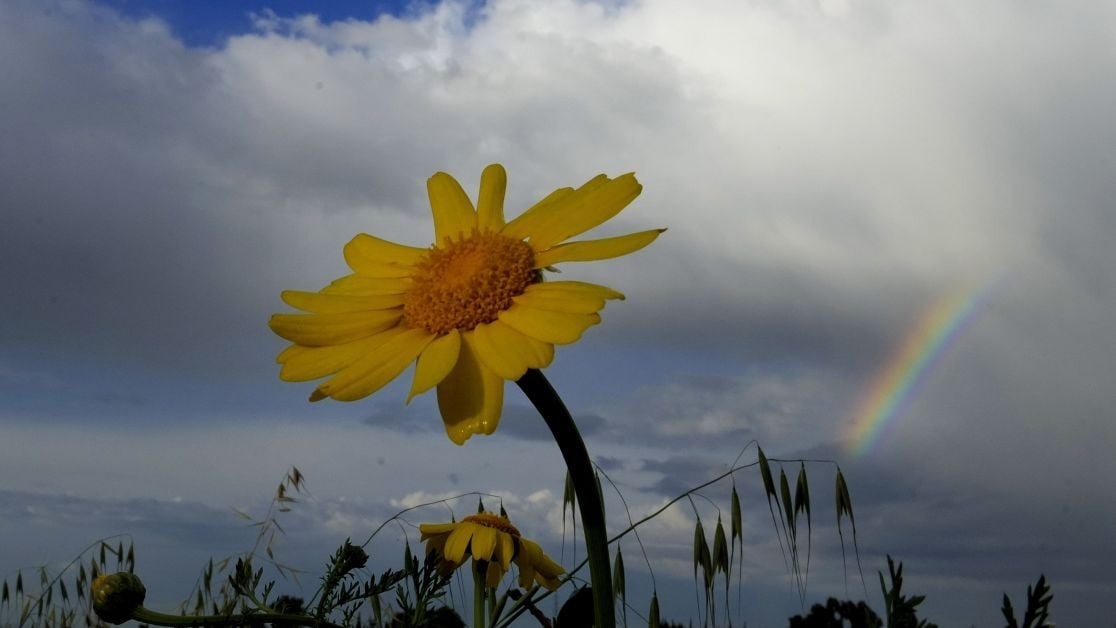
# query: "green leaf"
x,y
737,522
788,505
653,613
844,501
720,549
568,495
700,547
765,473
619,587
801,492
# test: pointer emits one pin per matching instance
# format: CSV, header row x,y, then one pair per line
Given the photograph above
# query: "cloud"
x,y
827,170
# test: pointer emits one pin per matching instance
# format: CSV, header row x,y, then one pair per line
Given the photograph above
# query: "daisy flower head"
x,y
470,311
493,539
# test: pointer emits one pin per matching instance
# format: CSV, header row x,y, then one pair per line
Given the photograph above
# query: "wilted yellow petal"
x,y
366,377
470,397
509,353
454,215
326,303
437,543
490,199
589,250
492,575
547,325
592,204
534,565
330,329
435,363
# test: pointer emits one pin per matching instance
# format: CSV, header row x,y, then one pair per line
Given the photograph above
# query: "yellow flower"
x,y
493,539
470,311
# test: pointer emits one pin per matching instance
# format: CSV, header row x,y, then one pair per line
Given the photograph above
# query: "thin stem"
x,y
535,385
479,596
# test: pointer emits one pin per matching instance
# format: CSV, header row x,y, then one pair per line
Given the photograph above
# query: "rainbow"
x,y
894,387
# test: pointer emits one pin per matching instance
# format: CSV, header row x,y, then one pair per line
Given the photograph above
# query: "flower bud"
x,y
116,596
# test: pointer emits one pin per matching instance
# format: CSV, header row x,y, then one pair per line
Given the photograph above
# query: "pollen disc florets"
x,y
496,522
464,283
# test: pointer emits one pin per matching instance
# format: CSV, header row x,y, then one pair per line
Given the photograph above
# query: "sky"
x,y
888,247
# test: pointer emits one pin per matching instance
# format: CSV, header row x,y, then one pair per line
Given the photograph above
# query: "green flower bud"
x,y
116,596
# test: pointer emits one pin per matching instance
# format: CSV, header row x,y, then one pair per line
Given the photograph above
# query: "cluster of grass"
x,y
234,590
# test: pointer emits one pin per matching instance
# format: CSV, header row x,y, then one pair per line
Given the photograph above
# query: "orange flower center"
x,y
462,284
490,520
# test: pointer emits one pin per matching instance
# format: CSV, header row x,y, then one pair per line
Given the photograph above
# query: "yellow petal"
x,y
369,255
363,378
325,303
428,530
520,227
471,397
316,362
453,212
484,542
535,565
508,353
435,363
579,287
558,301
505,551
290,352
589,250
525,560
458,542
587,207
332,329
490,199
364,285
546,325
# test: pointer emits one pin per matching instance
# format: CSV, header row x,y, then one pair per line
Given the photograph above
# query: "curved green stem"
x,y
535,385
154,618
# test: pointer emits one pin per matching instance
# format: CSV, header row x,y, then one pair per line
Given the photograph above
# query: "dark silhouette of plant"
x,y
836,613
1037,614
900,610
